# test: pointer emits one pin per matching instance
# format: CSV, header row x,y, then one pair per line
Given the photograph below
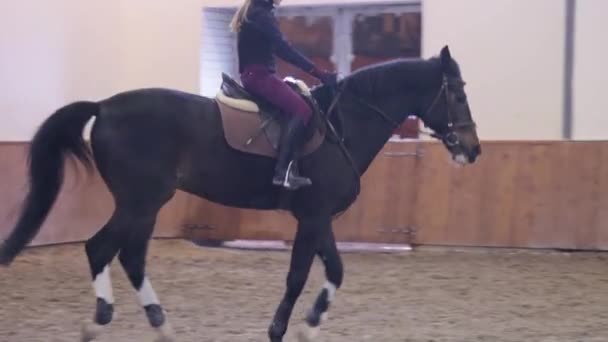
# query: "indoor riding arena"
x,y
509,247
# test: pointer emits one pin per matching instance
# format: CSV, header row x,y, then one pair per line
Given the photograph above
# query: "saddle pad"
x,y
240,125
242,104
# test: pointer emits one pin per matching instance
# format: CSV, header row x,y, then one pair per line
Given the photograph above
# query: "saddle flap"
x,y
257,133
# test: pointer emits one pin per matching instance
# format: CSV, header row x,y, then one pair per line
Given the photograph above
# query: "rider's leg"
x,y
261,82
286,174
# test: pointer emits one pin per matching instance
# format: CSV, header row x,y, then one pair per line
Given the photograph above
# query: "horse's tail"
x,y
59,136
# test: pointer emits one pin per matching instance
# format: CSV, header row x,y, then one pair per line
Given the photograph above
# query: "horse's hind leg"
x,y
128,233
133,259
139,168
100,250
334,271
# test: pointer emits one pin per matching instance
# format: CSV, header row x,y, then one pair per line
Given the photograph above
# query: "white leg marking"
x,y
323,317
308,333
331,291
146,293
147,296
103,285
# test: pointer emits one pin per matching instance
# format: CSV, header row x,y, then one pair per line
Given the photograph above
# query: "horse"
x,y
148,143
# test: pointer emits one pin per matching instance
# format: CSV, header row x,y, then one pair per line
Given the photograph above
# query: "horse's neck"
x,y
366,130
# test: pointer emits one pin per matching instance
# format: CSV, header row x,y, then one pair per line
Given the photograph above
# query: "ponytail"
x,y
239,16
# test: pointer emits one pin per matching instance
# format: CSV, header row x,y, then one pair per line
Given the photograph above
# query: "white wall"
x,y
591,71
511,55
161,43
52,52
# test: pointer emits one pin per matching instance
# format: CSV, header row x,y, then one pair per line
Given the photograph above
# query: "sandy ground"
x,y
230,295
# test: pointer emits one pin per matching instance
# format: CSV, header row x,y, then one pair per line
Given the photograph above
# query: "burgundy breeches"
x,y
259,81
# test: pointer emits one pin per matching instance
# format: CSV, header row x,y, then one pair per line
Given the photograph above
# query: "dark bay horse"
x,y
148,143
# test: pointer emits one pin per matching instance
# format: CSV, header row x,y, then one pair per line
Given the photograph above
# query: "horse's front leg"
x,y
302,256
334,272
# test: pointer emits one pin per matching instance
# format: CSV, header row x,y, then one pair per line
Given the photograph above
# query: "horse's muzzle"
x,y
474,153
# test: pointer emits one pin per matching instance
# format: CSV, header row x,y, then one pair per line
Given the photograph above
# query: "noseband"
x,y
449,137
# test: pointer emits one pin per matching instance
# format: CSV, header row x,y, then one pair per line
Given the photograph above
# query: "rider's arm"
x,y
267,23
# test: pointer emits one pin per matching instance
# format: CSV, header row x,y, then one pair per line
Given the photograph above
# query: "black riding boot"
x,y
286,173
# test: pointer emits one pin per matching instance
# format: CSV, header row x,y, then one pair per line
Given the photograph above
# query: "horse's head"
x,y
449,115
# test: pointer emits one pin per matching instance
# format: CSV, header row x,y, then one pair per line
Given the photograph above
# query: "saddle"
x,y
253,125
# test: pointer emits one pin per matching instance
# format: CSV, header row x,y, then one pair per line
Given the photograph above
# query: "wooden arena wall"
x,y
539,194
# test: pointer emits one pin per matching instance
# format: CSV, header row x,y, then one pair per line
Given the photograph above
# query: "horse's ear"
x,y
446,57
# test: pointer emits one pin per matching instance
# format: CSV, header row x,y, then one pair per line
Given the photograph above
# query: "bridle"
x,y
449,136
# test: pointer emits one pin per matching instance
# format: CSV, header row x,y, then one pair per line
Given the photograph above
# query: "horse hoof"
x,y
165,333
308,334
89,331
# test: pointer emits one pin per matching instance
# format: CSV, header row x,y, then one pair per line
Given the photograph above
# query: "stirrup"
x,y
289,180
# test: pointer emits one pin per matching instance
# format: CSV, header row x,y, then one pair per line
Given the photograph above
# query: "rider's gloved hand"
x,y
329,78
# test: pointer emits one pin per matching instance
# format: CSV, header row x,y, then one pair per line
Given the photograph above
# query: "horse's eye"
x,y
461,99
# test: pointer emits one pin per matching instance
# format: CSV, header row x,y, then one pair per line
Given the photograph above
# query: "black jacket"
x,y
260,38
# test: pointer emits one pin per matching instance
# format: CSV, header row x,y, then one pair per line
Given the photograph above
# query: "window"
x,y
381,37
385,36
218,50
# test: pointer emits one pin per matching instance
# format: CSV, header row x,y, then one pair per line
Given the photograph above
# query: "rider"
x,y
258,39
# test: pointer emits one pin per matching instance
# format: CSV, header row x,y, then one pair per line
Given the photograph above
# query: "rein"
x,y
334,103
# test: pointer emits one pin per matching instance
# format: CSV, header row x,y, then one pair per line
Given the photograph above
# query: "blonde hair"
x,y
239,16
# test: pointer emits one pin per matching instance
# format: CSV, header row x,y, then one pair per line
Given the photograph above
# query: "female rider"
x,y
258,39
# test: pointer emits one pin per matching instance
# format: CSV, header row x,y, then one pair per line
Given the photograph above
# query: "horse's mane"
x,y
379,79
397,74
